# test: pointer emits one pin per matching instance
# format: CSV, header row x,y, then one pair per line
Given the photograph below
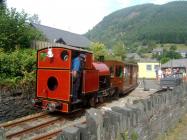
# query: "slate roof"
x,y
67,38
156,50
148,60
175,63
133,55
181,51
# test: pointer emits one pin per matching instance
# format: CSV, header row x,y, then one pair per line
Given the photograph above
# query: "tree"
x,y
98,49
173,48
2,6
2,3
168,55
164,60
173,55
15,31
34,19
119,50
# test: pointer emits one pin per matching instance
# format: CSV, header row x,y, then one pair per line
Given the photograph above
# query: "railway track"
x,y
21,120
35,127
40,126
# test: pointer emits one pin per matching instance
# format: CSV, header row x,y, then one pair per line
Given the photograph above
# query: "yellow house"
x,y
147,69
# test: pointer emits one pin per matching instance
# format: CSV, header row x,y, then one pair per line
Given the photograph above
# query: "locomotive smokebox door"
x,y
51,84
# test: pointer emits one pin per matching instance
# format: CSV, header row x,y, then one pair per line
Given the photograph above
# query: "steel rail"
x,y
48,135
18,121
9,136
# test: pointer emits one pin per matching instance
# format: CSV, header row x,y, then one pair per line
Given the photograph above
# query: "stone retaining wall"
x,y
143,120
16,103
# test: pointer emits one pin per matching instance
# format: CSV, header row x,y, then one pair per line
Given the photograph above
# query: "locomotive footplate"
x,y
51,105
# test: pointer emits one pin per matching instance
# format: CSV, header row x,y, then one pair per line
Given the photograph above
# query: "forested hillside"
x,y
143,23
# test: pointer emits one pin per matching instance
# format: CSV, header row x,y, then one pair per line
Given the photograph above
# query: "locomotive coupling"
x,y
52,106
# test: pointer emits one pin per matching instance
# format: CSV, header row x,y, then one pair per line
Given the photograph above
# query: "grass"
x,y
178,133
127,136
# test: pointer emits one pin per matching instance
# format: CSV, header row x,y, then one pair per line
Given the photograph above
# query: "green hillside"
x,y
144,23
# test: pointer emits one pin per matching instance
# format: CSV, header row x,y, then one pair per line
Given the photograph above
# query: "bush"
x,y
17,67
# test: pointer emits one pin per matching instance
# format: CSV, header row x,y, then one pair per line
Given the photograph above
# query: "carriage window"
x,y
125,72
119,71
112,71
64,55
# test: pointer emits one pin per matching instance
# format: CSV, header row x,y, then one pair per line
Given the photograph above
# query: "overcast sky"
x,y
76,16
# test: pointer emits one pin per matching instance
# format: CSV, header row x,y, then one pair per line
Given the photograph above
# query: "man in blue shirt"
x,y
76,66
76,74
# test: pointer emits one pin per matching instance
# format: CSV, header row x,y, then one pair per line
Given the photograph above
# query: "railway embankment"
x,y
143,119
15,103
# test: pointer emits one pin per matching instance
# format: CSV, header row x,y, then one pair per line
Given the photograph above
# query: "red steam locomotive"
x,y
98,79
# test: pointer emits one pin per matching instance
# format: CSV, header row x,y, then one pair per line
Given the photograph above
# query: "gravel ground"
x,y
150,84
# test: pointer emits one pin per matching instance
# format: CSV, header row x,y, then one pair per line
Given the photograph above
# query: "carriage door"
x,y
131,74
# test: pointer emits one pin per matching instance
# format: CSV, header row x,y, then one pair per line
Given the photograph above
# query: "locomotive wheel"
x,y
112,91
85,102
116,94
92,101
101,99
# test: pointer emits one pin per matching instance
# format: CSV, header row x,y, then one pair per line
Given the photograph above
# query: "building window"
x,y
156,67
148,67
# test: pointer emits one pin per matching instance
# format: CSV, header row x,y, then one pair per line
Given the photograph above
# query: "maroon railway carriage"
x,y
99,79
123,76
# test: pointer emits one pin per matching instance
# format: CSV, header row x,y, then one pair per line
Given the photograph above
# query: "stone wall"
x,y
143,120
15,103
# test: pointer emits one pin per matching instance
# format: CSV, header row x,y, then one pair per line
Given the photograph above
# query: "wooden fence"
x,y
42,44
